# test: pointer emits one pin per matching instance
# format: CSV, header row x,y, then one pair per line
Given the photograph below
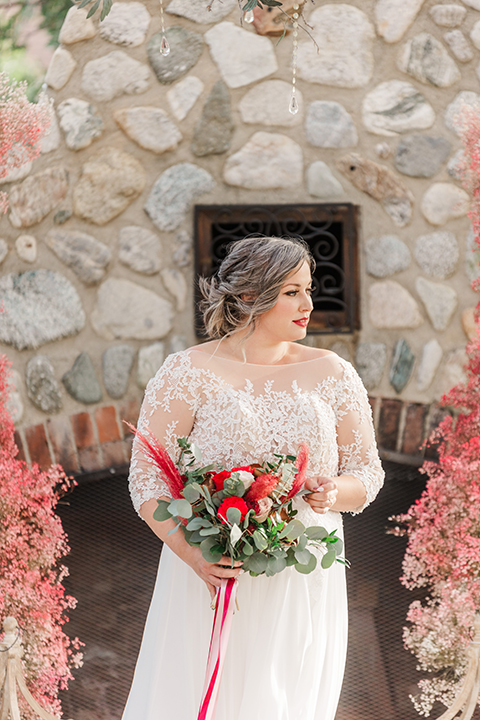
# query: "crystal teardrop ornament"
x,y
164,47
249,17
293,107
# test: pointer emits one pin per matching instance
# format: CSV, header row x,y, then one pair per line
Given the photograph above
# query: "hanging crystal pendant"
x,y
164,47
293,107
249,16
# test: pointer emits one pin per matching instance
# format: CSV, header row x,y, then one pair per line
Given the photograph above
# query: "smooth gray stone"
x,y
42,387
140,249
329,125
39,306
87,256
402,365
421,155
185,50
426,59
370,360
173,193
80,122
437,254
81,381
62,216
386,256
213,132
117,362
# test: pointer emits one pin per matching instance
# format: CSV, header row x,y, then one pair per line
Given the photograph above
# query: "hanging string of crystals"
x,y
248,17
164,46
293,107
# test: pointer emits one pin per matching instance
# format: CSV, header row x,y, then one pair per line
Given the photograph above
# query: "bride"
x,y
250,392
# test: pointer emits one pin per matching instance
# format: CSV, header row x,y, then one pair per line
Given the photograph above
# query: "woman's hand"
x,y
324,494
212,574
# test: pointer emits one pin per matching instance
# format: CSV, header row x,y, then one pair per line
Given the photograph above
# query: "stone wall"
x,y
95,254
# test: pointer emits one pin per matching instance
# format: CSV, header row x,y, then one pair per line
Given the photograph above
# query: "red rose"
x,y
229,502
219,478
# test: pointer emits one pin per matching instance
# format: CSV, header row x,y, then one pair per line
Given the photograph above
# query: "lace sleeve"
x,y
167,412
357,448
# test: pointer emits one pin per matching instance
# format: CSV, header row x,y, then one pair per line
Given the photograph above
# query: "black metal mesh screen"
x,y
112,572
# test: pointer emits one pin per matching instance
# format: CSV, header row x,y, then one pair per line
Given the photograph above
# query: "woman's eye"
x,y
292,293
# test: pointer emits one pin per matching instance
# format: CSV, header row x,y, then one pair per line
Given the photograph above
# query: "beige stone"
x,y
450,16
110,180
175,282
395,106
183,95
443,202
51,140
76,27
394,17
453,372
126,24
425,58
469,324
26,247
440,301
36,196
268,160
60,69
267,104
149,127
459,45
114,74
381,183
430,359
392,307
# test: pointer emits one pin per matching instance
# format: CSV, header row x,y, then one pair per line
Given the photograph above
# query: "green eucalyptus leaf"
x,y
275,565
174,530
338,546
234,516
303,556
293,530
181,508
190,494
210,550
256,563
204,532
260,541
162,513
92,11
316,533
291,557
198,522
328,559
310,567
302,542
247,548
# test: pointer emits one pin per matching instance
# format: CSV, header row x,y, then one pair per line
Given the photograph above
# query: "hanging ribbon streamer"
x,y
222,622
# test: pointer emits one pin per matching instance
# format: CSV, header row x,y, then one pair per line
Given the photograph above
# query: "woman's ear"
x,y
247,298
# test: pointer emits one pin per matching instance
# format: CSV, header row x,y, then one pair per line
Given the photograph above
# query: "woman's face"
x,y
288,319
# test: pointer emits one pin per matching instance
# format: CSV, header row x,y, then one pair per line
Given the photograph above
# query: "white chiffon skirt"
x,y
285,657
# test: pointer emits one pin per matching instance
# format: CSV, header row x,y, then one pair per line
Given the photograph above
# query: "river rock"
x,y
392,307
42,387
268,160
454,368
475,4
429,361
421,155
450,16
86,256
140,249
472,258
469,324
149,127
3,250
182,249
454,109
80,122
183,96
386,256
26,247
173,193
459,45
114,74
36,196
14,403
185,50
329,125
60,68
475,34
76,27
443,202
40,306
370,360
321,182
126,24
342,55
267,104
425,58
241,56
456,166
51,140
117,363
213,132
401,368
380,183
200,12
110,180
440,301
125,310
176,285
81,381
437,254
17,173
394,17
395,106
150,360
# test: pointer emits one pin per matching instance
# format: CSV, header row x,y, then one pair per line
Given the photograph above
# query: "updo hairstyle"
x,y
249,282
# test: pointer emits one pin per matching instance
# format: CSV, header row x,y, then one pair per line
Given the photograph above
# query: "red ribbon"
x,y
218,647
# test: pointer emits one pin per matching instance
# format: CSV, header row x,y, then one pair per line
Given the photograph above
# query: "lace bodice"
x,y
240,413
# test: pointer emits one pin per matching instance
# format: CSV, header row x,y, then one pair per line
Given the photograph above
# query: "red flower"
x,y
219,478
262,487
229,502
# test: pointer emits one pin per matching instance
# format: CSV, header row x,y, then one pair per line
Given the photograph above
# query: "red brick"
x,y
414,432
90,459
107,425
61,440
113,454
19,444
83,430
36,439
389,423
129,411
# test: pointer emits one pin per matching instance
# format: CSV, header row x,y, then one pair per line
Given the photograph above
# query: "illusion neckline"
x,y
239,362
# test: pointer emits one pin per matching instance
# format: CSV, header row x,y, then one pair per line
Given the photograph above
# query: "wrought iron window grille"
x,y
330,230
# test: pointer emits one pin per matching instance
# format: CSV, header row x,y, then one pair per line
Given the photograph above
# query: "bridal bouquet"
x,y
245,513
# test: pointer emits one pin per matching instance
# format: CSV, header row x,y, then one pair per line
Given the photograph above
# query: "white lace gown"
x,y
287,646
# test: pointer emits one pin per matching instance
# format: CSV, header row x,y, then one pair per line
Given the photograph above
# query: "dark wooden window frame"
x,y
216,226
